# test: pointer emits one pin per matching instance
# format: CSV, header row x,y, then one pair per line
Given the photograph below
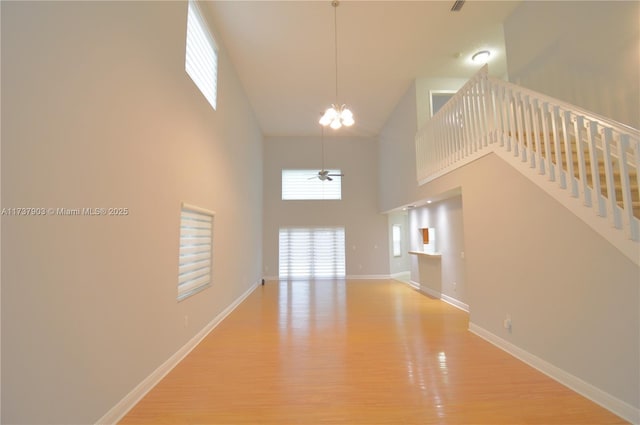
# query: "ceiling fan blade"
x,y
336,175
329,178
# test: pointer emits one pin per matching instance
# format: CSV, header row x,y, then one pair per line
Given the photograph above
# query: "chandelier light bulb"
x,y
336,117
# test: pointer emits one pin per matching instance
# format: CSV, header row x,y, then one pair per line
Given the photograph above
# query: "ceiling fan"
x,y
324,174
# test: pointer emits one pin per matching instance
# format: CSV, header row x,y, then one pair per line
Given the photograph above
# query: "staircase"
x,y
587,162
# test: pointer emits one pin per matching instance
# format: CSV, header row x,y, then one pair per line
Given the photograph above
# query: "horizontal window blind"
x,y
316,252
196,250
397,248
305,185
201,61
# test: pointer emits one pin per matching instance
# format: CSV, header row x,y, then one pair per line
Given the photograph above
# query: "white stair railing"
x,y
592,158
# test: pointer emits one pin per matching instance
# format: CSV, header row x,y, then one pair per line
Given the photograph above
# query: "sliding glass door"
x,y
311,252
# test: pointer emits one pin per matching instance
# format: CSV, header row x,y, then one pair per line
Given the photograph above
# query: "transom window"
x,y
201,62
305,185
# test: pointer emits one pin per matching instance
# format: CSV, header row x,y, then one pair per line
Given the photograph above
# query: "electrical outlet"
x,y
507,323
455,287
186,321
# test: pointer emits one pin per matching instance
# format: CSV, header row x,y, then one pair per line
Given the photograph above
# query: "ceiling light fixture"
x,y
337,115
481,56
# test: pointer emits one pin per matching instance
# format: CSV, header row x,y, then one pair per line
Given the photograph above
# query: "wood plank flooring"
x,y
360,352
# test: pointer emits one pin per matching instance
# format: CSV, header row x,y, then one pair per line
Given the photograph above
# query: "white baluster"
x,y
544,118
513,113
520,140
535,107
483,112
612,210
592,134
502,128
566,124
629,221
582,171
508,118
555,125
477,119
467,124
528,130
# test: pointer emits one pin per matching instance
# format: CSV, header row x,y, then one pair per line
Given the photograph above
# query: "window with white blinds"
x,y
311,252
201,61
196,250
397,240
305,185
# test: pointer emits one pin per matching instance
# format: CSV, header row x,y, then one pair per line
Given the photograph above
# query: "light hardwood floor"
x,y
361,352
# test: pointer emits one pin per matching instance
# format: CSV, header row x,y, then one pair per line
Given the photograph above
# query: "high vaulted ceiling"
x,y
283,52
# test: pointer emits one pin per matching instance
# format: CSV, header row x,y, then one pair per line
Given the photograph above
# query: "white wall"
x,y
585,53
98,111
365,229
572,296
446,218
396,152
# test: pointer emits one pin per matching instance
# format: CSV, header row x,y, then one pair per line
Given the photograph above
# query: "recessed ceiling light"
x,y
429,201
481,56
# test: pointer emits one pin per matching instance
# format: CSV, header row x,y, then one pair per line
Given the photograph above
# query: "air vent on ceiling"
x,y
457,5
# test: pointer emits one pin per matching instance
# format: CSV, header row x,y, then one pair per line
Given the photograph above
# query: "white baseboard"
x,y
454,302
598,396
117,412
367,276
424,289
439,295
400,274
348,277
415,285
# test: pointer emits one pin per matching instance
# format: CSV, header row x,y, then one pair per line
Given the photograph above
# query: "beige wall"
x,y
586,53
365,229
99,112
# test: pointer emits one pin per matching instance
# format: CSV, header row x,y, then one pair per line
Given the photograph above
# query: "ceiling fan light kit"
x,y
337,115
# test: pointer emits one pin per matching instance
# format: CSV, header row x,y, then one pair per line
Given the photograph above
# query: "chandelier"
x,y
338,114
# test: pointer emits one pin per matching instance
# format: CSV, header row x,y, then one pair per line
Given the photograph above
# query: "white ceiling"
x,y
283,52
